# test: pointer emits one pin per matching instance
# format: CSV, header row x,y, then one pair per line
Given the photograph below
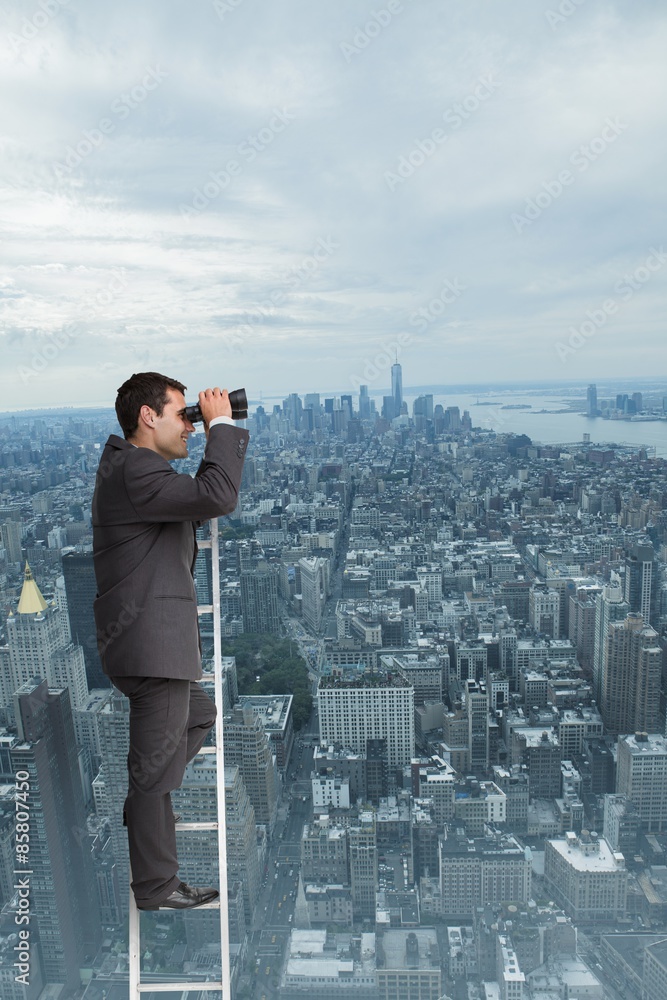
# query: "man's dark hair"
x,y
142,389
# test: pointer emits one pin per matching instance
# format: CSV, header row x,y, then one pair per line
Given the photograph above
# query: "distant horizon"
x,y
466,388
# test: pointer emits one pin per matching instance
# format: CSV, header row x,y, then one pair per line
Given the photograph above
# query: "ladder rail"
x,y
136,987
220,762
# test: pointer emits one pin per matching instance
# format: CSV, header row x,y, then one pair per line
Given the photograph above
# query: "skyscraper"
x,y
592,401
259,599
39,648
247,744
363,857
61,880
630,692
639,583
313,590
81,589
367,709
609,607
397,388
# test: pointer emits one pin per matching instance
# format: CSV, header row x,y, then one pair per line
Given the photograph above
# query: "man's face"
x,y
172,428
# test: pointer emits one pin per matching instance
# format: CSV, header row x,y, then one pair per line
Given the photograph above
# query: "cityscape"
x,y
444,663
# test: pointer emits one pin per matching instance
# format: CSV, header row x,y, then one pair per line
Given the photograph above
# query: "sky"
x,y
289,196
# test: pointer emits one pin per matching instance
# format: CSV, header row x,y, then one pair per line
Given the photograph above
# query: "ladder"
x,y
224,985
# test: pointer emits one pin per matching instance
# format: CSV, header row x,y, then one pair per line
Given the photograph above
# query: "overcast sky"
x,y
283,195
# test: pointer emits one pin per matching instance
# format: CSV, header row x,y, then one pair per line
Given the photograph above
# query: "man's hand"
x,y
214,403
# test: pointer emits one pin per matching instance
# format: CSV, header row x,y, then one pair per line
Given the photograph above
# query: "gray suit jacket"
x,y
144,550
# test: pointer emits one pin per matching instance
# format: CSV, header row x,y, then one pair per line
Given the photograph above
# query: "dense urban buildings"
x,y
476,798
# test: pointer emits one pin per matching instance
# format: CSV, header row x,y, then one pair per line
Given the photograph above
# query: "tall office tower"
x,y
592,401
397,388
110,785
68,669
363,854
630,691
259,599
610,606
11,540
544,610
364,403
247,745
638,401
81,589
38,647
312,401
351,713
639,582
313,590
346,405
641,776
477,709
582,625
293,408
241,835
63,901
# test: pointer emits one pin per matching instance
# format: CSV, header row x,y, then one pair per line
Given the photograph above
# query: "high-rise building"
x,y
641,777
639,580
592,401
63,901
544,610
397,388
11,540
351,713
259,599
313,590
630,690
363,856
477,710
248,746
242,852
39,648
364,403
81,590
610,606
478,871
110,784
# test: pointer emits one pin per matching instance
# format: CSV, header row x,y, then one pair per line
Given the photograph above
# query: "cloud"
x,y
121,114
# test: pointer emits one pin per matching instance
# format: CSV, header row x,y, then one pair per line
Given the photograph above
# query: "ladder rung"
x,y
172,987
203,543
206,750
204,609
213,825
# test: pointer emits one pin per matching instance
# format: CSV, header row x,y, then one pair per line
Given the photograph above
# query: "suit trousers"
x,y
169,721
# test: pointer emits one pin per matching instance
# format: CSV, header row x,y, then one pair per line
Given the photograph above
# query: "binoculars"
x,y
237,398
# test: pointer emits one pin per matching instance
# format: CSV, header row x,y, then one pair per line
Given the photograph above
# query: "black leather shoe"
x,y
184,898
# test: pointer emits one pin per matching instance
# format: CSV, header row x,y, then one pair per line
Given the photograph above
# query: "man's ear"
x,y
146,416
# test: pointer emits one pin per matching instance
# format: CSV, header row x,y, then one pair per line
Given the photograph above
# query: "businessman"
x,y
144,549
